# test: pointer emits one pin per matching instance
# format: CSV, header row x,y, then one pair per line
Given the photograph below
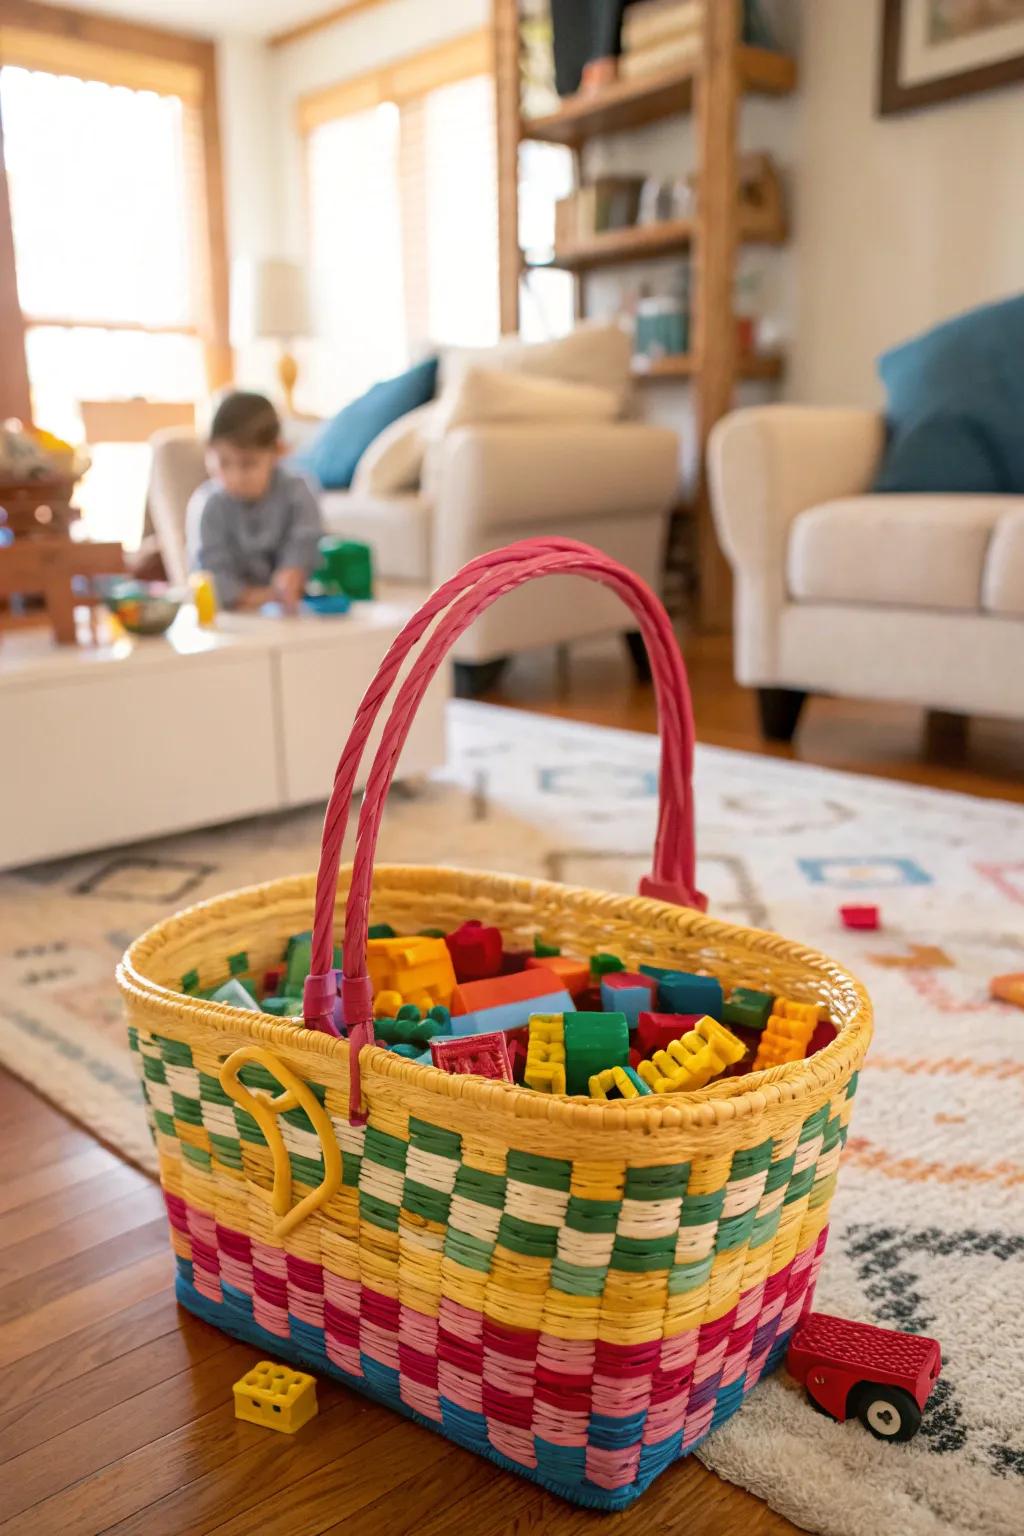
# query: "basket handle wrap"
x,y
472,590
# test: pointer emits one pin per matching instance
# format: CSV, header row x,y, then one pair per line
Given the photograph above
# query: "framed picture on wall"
x,y
936,50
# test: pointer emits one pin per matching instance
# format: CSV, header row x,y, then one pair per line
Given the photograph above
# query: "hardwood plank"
x,y
63,1205
35,1152
37,1476
456,1483
33,1292
80,1233
86,1164
50,1414
211,1469
104,1298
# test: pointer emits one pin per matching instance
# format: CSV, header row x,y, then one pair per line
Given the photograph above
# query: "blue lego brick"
x,y
683,992
510,1015
632,1001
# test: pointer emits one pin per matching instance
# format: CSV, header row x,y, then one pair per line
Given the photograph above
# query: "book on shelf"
x,y
648,22
660,57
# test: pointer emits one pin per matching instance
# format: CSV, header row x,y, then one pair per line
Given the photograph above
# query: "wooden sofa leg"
x,y
779,709
638,655
946,736
472,678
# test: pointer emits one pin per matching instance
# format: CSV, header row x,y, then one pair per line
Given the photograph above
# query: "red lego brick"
x,y
272,980
573,974
472,996
654,1031
514,960
823,1035
476,951
860,917
479,1055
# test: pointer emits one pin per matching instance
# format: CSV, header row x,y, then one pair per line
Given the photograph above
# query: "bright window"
x,y
403,235
103,184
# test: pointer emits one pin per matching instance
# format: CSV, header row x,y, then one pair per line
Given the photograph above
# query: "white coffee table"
x,y
135,738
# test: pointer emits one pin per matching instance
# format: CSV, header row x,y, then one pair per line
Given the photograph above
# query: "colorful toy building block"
x,y
514,960
505,1002
272,980
545,1053
479,1055
603,964
628,992
386,1005
618,1083
787,1034
298,959
420,969
544,951
686,992
573,974
593,1042
1008,989
345,566
234,993
856,916
276,1397
746,1008
656,1031
476,951
690,1062
282,1007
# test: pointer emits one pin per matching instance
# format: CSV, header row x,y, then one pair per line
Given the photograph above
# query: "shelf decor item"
x,y
579,1289
936,50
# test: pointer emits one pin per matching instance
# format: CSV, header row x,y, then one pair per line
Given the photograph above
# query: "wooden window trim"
x,y
405,80
93,46
330,18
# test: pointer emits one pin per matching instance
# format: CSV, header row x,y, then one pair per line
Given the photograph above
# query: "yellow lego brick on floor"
x,y
276,1397
545,1053
692,1060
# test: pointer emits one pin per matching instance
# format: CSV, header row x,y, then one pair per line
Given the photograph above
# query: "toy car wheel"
x,y
888,1412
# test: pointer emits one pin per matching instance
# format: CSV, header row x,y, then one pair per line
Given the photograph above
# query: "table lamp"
x,y
269,301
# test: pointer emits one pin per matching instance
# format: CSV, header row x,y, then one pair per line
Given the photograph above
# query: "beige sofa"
x,y
912,597
610,483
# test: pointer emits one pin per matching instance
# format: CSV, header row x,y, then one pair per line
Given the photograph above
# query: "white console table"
x,y
139,737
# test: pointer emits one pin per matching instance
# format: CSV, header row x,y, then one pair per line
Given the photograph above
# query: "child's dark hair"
x,y
245,420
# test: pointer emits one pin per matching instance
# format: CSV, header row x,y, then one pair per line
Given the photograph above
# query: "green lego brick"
x,y
347,565
542,950
747,1008
593,1042
601,964
409,1011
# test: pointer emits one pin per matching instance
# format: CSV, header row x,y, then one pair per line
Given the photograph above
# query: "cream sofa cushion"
x,y
1002,588
914,551
394,460
481,396
592,354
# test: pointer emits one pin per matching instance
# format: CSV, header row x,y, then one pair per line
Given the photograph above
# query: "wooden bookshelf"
x,y
711,85
635,103
682,365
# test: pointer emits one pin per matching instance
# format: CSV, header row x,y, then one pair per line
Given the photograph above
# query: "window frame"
x,y
91,46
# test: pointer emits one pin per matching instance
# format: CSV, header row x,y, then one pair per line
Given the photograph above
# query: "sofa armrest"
x,y
766,465
542,478
176,470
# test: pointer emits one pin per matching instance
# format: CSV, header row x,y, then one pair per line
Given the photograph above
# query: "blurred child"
x,y
253,526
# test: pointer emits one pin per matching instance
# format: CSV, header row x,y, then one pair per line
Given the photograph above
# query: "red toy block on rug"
x,y
860,917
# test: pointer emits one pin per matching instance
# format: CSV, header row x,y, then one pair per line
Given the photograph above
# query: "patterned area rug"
x,y
928,1224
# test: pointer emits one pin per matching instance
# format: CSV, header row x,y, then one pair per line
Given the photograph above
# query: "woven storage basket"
x,y
579,1290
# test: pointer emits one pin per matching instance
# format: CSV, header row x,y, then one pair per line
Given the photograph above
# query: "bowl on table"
x,y
141,608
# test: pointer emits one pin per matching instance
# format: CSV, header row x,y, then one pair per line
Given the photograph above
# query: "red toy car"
x,y
877,1375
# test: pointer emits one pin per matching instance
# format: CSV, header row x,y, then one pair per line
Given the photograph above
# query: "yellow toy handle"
x,y
264,1110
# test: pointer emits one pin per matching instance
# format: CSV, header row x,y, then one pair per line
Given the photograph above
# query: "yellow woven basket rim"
x,y
726,1101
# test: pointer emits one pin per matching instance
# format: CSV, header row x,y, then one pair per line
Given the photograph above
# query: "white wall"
x,y
899,221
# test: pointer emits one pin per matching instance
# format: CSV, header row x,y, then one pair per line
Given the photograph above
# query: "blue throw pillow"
x,y
956,405
336,449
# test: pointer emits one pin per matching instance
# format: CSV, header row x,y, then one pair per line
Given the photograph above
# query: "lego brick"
x,y
505,1016
693,1060
858,916
618,1083
514,960
686,992
593,1042
238,996
386,1005
496,991
476,951
346,565
542,950
628,992
1008,989
272,979
545,1054
478,1055
787,1034
276,1397
420,969
746,1008
282,1007
573,974
602,964
804,1013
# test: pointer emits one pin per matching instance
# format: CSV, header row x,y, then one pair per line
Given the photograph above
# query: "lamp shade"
x,y
268,299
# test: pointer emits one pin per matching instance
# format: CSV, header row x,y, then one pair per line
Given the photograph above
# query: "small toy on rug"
x,y
856,916
276,1397
1008,989
854,1370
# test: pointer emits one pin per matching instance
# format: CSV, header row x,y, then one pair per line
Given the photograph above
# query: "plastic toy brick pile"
x,y
554,1023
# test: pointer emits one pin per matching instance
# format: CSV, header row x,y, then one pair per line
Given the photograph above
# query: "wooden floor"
x,y
116,1413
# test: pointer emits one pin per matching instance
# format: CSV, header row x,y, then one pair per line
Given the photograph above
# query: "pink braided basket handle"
x,y
464,596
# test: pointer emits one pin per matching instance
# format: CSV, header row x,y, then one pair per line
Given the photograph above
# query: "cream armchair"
x,y
609,483
913,598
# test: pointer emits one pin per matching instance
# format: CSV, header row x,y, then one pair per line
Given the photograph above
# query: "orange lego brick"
x,y
1008,989
573,974
496,991
419,968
